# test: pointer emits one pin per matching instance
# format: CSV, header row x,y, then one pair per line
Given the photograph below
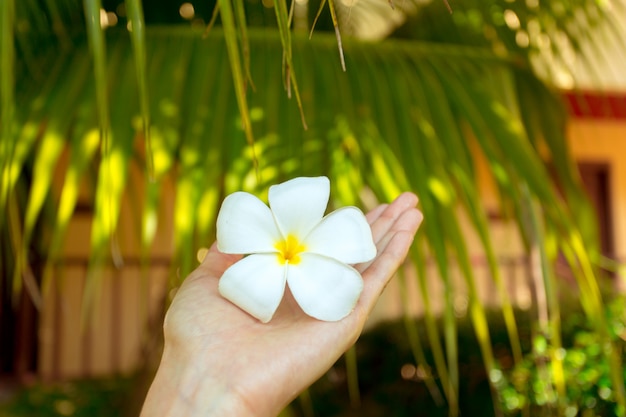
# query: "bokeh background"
x,y
125,124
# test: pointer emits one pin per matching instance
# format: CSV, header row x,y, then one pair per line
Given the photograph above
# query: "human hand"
x,y
218,360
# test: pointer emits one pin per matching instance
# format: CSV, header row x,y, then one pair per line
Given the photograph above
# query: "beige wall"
x,y
604,141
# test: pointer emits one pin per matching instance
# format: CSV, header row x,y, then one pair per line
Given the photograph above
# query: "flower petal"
x,y
299,204
344,235
324,287
255,284
246,225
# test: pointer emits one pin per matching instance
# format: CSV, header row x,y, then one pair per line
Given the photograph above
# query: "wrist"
x,y
184,387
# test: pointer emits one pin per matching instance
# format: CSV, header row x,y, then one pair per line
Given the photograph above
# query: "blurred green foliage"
x,y
409,115
111,397
589,391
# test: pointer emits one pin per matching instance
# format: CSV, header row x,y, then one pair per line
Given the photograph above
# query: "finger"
x,y
373,215
409,221
412,219
393,249
379,273
215,263
384,222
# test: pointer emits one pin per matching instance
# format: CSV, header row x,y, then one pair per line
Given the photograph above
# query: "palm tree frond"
x,y
412,115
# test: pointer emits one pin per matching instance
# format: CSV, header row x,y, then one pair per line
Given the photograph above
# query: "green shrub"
x,y
111,397
586,371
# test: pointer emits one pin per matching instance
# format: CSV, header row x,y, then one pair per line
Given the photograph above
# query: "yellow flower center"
x,y
289,250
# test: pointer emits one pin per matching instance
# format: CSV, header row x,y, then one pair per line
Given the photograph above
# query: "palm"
x,y
292,347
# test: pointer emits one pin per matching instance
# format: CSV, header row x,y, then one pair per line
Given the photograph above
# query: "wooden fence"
x,y
124,325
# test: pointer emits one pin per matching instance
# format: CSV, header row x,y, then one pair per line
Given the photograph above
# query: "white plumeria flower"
x,y
291,242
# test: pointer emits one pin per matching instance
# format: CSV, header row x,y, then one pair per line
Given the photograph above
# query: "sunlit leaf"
x,y
406,115
98,50
134,11
7,98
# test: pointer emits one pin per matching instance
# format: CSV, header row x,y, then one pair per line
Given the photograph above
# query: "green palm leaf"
x,y
409,116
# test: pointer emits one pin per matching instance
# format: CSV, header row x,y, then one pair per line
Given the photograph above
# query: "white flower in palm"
x,y
292,243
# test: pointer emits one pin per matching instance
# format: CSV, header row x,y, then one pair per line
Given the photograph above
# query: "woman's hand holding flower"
x,y
292,243
220,361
